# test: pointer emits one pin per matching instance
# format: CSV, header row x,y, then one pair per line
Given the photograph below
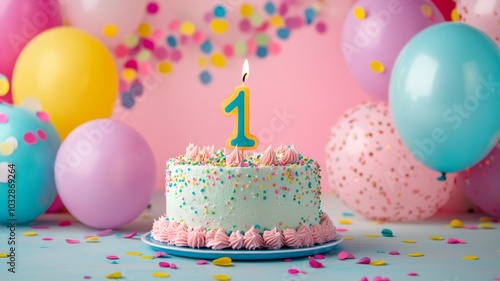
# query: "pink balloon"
x,y
481,183
105,173
374,33
372,172
482,14
92,16
21,21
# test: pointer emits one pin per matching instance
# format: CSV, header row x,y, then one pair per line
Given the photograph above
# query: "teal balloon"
x,y
28,148
444,96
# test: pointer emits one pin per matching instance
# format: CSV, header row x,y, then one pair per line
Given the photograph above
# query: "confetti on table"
x,y
133,253
454,241
290,260
377,263
436,238
314,263
411,273
416,254
87,277
104,232
3,255
39,226
221,277
293,271
341,229
64,223
485,219
380,278
130,235
364,260
173,266
160,254
30,233
345,221
409,241
343,255
377,222
147,257
347,214
72,241
348,238
393,253
371,235
387,232
456,223
160,274
164,264
201,262
472,226
112,257
470,258
114,275
47,239
224,261
92,239
319,257
485,226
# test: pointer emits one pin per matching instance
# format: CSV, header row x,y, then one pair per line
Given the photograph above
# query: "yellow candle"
x,y
238,105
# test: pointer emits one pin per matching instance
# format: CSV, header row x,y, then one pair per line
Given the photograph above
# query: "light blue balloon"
x,y
32,185
444,96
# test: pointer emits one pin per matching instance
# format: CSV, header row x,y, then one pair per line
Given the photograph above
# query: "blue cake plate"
x,y
248,255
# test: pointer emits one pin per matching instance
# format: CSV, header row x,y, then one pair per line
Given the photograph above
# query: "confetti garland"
x,y
155,51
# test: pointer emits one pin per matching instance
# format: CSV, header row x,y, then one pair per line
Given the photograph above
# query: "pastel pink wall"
x,y
308,80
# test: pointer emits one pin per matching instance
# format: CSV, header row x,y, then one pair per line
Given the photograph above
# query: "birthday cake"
x,y
242,200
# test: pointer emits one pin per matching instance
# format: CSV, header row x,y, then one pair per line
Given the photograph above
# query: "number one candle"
x,y
238,104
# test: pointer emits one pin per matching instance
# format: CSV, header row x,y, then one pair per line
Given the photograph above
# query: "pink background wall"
x,y
308,80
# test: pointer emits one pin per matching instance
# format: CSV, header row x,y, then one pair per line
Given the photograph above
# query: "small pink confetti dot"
x,y
321,27
393,253
164,264
412,274
319,257
152,8
228,50
105,232
160,254
131,64
29,138
176,55
112,257
287,260
198,37
64,223
274,48
244,197
173,266
41,134
293,271
47,239
160,53
121,51
3,118
87,277
173,25
201,262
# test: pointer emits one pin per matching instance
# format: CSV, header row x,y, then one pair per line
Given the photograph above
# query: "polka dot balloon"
x,y
374,174
28,147
374,33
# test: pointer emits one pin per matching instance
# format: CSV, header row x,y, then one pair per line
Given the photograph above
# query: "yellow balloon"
x,y
71,73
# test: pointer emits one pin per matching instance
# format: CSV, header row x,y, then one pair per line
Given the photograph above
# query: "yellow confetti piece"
x,y
224,261
147,257
4,87
409,241
129,74
416,254
133,253
187,28
455,223
221,277
485,219
114,275
377,67
377,222
498,250
371,235
144,30
454,15
92,239
276,21
348,238
218,60
160,274
164,67
30,233
359,13
246,10
470,258
436,238
377,263
218,26
485,226
3,255
7,148
426,10
110,30
345,221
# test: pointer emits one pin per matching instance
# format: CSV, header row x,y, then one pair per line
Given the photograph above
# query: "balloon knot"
x,y
442,177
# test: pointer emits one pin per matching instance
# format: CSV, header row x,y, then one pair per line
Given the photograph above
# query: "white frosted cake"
x,y
243,201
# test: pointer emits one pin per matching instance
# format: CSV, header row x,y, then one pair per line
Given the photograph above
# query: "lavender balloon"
x,y
374,33
105,173
481,183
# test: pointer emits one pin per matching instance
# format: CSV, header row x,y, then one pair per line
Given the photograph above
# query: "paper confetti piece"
x,y
319,257
144,30
147,257
164,264
359,13
173,266
371,235
340,229
47,239
201,262
387,232
160,254
218,60
314,263
454,15
110,30
221,277
133,253
393,253
30,233
345,221
347,238
72,241
484,219
485,226
411,273
456,223
377,222
218,26
114,275
436,238
343,255
470,258
364,260
112,257
426,10
187,28
130,235
92,239
246,10
290,260
293,271
3,255
416,254
105,232
164,67
410,241
377,66
454,241
114,262
224,261
377,263
364,278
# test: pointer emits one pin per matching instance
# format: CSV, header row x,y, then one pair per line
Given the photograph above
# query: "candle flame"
x,y
245,71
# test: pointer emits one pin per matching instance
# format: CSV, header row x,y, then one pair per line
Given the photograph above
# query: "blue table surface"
x,y
37,259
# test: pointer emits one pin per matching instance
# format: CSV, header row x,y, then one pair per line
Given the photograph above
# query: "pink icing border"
x,y
177,234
